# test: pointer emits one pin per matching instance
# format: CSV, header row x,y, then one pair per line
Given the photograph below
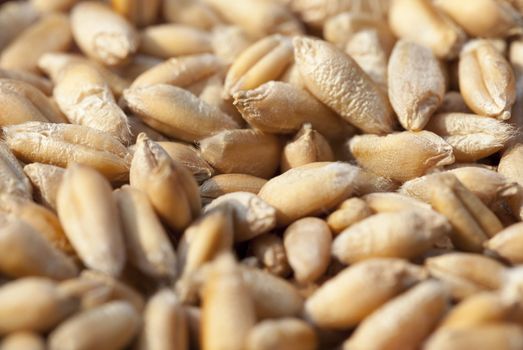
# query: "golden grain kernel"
x,y
338,81
387,155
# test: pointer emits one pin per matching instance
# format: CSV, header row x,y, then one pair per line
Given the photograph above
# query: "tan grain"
x,y
307,244
181,72
282,108
273,297
387,156
102,34
177,112
87,212
46,180
403,322
86,99
23,340
484,18
403,234
168,40
147,243
258,17
307,146
348,213
227,308
252,215
64,144
195,13
30,254
284,334
269,250
495,336
227,183
33,304
263,61
486,80
337,80
41,83
422,22
290,193
416,84
138,12
44,221
507,243
53,63
14,18
361,288
22,102
170,186
165,323
229,41
233,151
111,326
466,274
472,137
51,33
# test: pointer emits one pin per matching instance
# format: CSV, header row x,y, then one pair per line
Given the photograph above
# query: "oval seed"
x,y
283,334
168,40
507,243
23,340
273,297
177,112
485,18
258,18
33,304
64,144
102,34
387,155
46,180
263,61
182,72
307,245
403,322
227,307
292,198
171,188
381,279
22,102
486,80
147,243
438,32
472,137
357,99
252,215
348,213
282,108
416,84
466,274
51,33
190,158
228,183
495,336
85,198
233,151
31,254
404,234
110,327
307,146
165,323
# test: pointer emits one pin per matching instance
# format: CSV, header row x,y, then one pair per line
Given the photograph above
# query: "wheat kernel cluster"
x,y
261,175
